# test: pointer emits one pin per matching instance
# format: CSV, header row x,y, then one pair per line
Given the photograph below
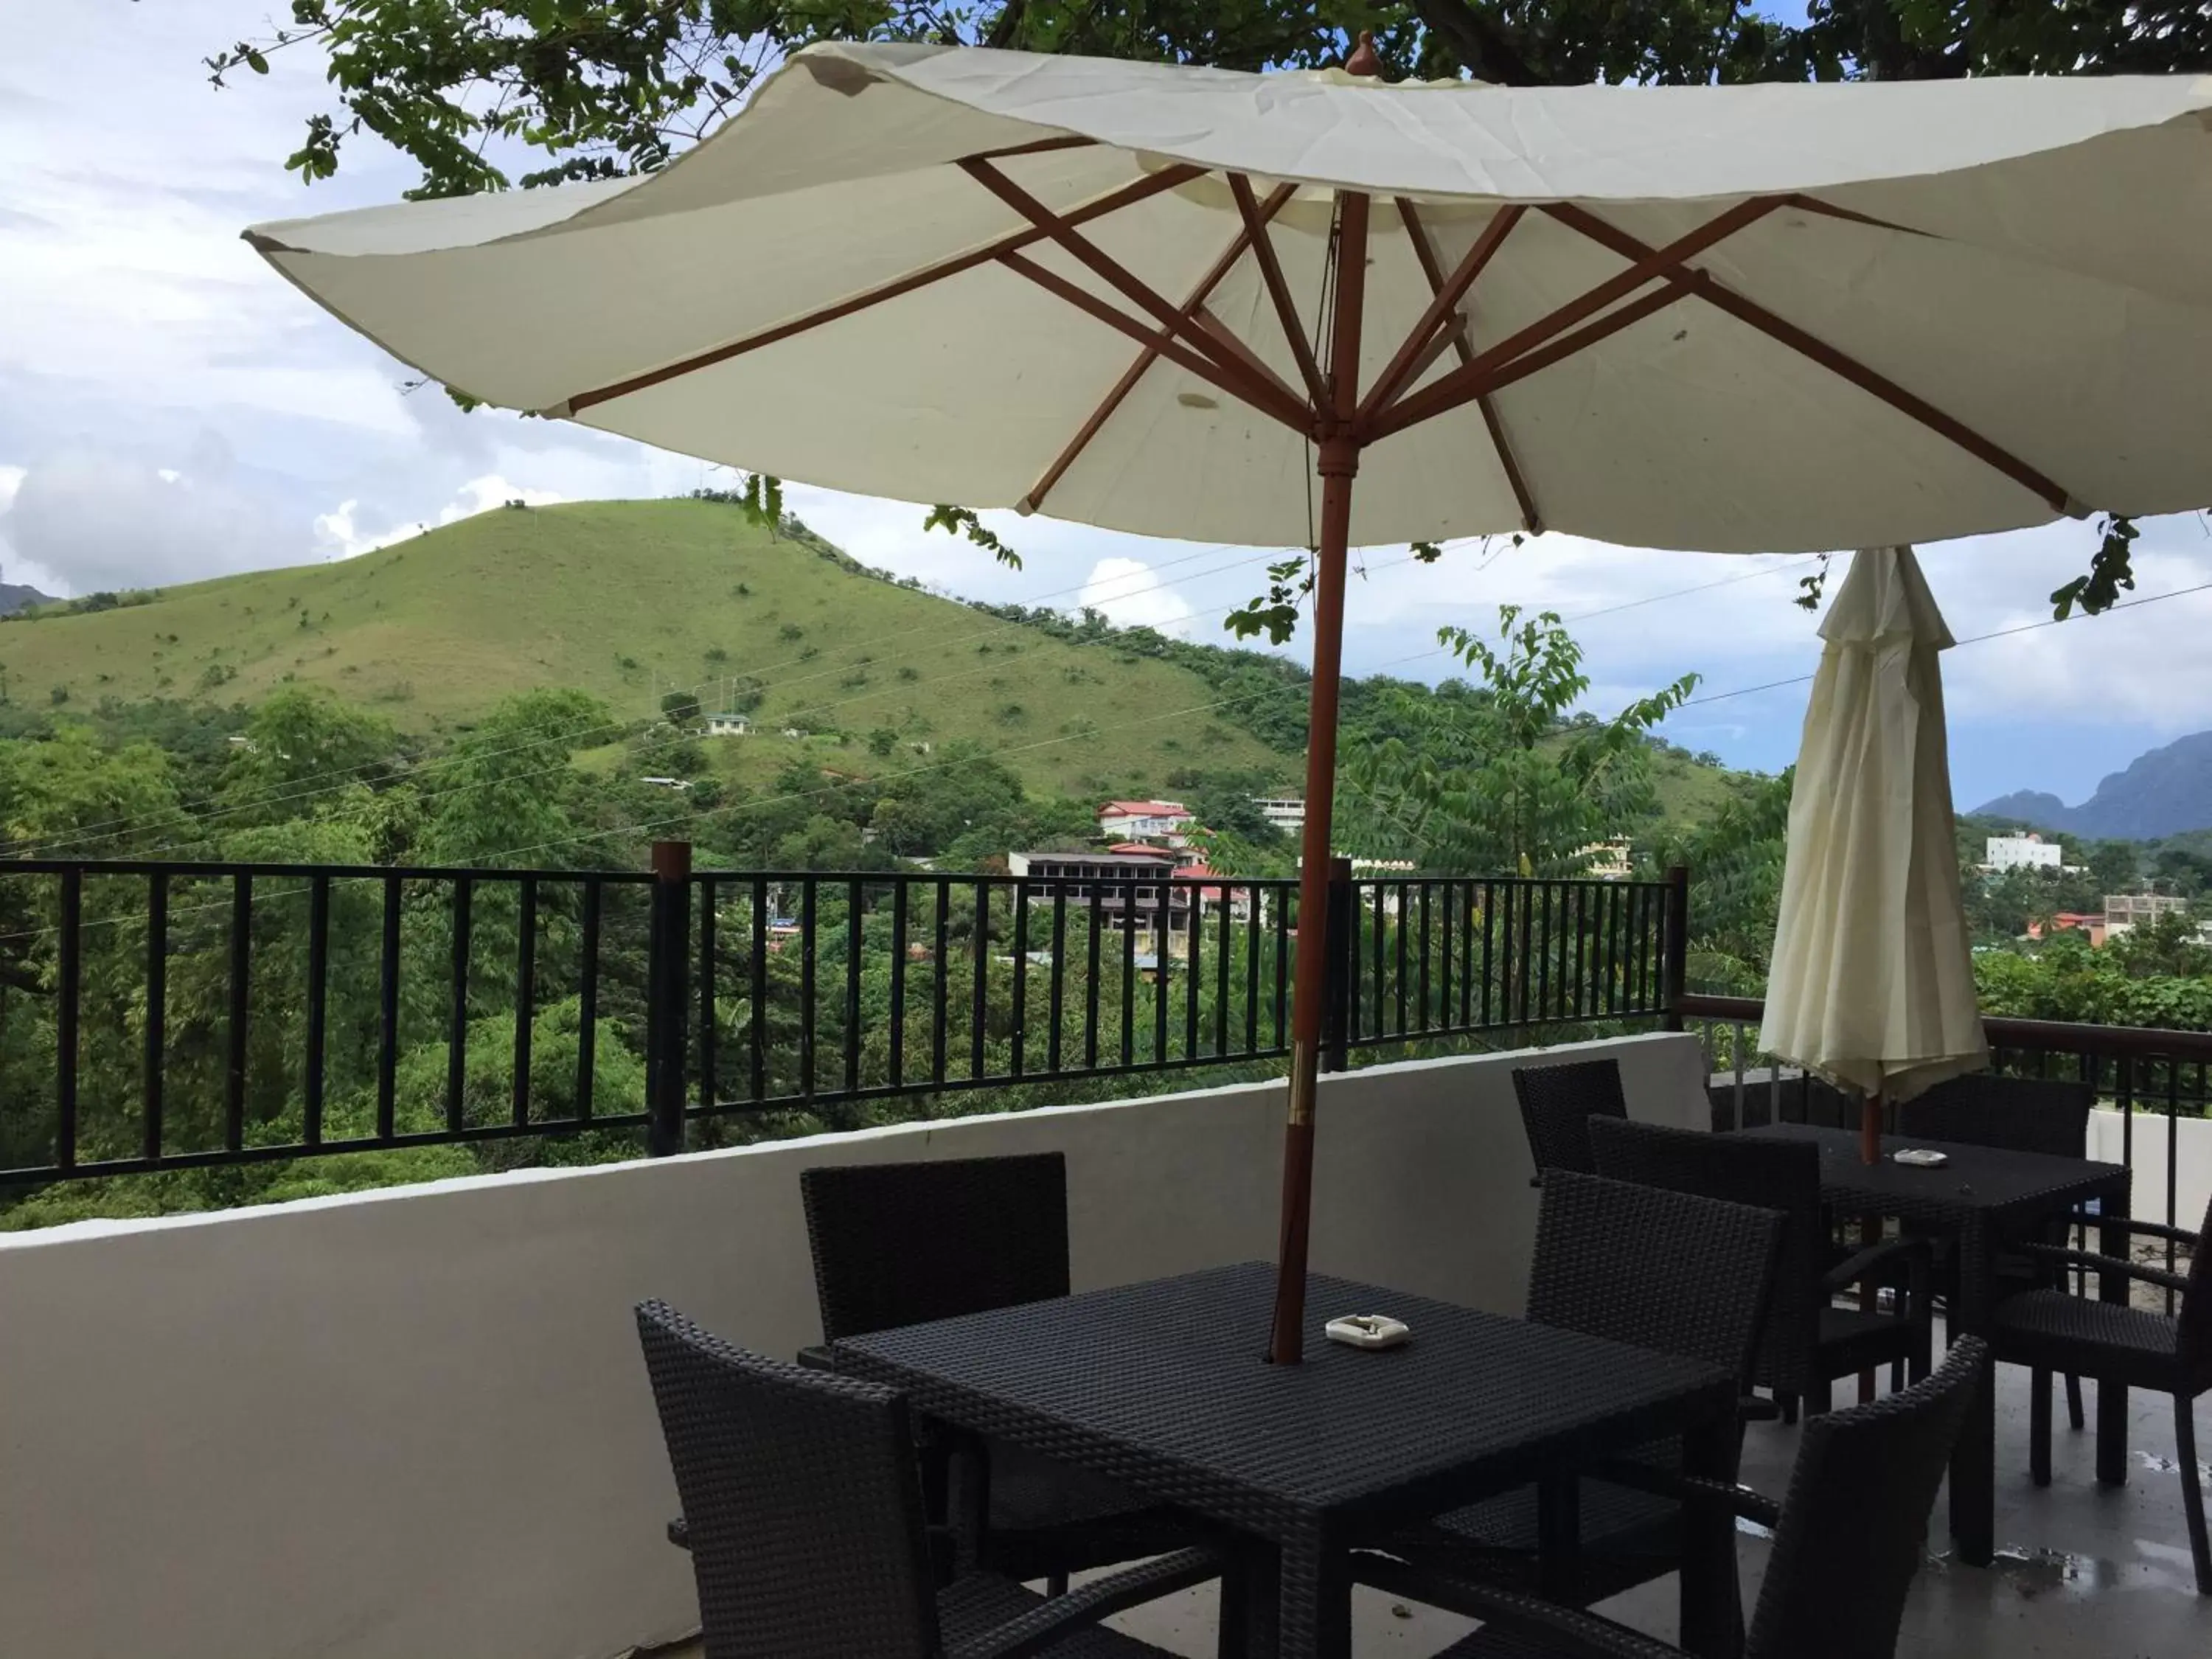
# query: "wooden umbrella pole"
x,y
1337,463
1871,1129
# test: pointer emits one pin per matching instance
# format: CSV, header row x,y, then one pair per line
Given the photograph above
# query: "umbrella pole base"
x,y
1870,1130
1286,1343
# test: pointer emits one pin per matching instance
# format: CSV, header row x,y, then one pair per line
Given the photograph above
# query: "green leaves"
x,y
2111,570
1275,613
1495,775
962,521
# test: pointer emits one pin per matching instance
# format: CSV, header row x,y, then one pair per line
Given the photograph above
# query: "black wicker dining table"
x,y
1163,1386
1983,1197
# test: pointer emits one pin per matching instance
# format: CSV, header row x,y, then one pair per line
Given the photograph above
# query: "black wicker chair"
x,y
804,1517
1662,1270
903,1244
1810,1341
2050,1330
2023,1114
1847,1541
1556,1103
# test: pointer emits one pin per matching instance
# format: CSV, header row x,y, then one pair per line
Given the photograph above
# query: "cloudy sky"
x,y
170,410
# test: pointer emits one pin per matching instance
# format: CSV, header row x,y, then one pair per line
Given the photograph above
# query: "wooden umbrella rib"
x,y
1466,382
1103,265
1145,359
1237,383
1837,362
1279,290
1128,195
1456,339
1034,147
1444,302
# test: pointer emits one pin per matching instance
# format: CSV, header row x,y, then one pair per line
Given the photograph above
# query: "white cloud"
x,y
11,480
1131,596
340,534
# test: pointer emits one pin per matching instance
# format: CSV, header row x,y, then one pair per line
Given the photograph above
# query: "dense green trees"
x,y
1494,777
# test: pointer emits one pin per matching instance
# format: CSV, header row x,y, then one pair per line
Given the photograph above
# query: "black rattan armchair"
x,y
1810,1341
2023,1114
902,1243
1662,1270
1556,1103
805,1517
1847,1540
2050,1330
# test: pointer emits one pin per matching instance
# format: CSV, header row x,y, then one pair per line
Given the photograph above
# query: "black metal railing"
x,y
157,1016
2164,1076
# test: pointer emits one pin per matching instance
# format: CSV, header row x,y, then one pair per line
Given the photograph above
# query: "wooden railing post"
x,y
667,996
1674,946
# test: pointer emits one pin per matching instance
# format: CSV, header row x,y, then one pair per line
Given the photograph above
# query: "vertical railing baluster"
x,y
978,1004
1163,932
941,979
1405,925
1531,958
457,1006
2124,1081
807,941
1129,974
526,995
241,958
856,902
1094,916
1226,949
1443,1015
897,1036
157,1008
2172,1163
69,989
1019,989
1614,897
587,999
1059,991
1285,898
1578,952
756,990
1377,940
1252,930
1195,928
319,984
1489,935
710,1019
387,1010
1464,904
1421,969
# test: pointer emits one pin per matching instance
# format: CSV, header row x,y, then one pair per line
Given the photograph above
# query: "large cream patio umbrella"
x,y
1168,300
1872,985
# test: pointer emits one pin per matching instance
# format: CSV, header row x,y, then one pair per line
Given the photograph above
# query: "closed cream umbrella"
x,y
1196,303
1872,986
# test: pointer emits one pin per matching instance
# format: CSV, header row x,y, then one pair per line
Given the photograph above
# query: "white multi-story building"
x,y
2025,851
1165,821
1286,812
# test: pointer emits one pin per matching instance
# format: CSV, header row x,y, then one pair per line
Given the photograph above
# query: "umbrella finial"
x,y
1364,60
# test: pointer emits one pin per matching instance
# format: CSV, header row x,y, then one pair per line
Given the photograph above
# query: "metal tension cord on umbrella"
x,y
1756,318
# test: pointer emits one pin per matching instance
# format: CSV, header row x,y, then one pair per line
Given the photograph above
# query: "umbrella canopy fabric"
x,y
1897,311
1872,985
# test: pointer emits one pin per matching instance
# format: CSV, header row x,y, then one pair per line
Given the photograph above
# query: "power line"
x,y
1976,639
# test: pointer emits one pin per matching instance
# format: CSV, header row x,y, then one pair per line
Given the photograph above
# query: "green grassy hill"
x,y
622,597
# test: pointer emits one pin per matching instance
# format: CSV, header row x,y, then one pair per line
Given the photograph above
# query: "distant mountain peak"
x,y
2162,792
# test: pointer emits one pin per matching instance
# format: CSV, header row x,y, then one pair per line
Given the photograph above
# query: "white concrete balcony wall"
x,y
2191,1145
413,1424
